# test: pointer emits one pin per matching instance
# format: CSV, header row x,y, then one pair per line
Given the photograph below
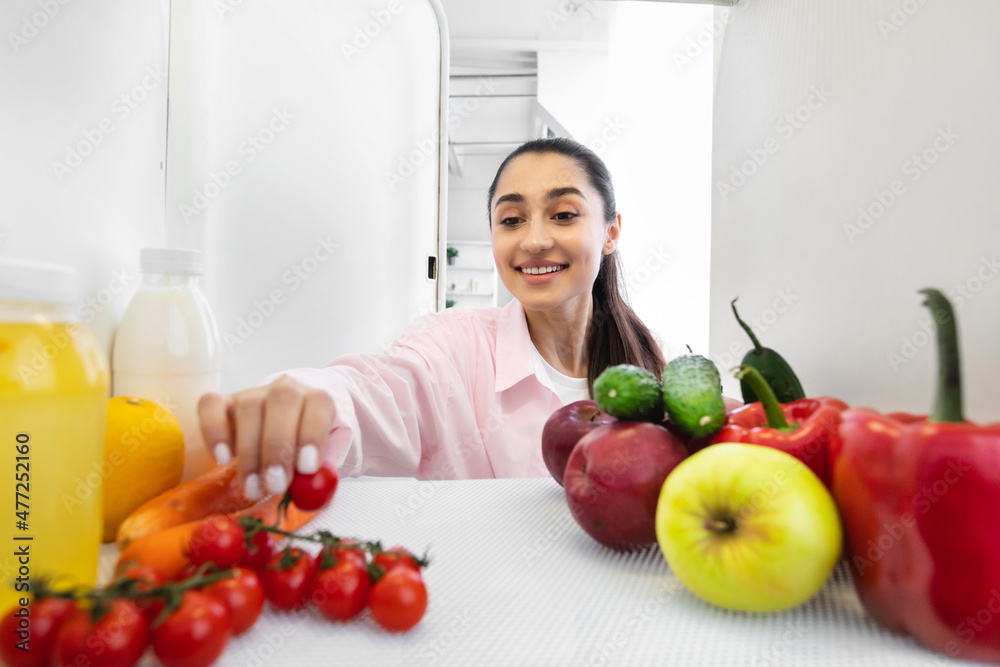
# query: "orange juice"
x,y
53,404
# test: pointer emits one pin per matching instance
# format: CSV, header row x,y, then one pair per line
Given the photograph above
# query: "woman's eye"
x,y
565,215
510,222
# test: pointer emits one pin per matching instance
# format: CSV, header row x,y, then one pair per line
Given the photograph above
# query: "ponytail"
x,y
616,334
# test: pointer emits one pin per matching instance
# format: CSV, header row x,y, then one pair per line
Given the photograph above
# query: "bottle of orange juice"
x,y
54,386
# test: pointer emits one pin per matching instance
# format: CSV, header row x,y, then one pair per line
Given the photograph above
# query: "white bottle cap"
x,y
27,280
170,260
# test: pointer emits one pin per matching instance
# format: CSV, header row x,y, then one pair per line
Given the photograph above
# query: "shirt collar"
x,y
515,358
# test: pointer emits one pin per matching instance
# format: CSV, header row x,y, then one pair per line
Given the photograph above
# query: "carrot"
x,y
166,551
217,491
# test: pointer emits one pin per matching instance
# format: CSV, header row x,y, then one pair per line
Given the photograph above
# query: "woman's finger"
x,y
216,428
282,409
248,416
317,420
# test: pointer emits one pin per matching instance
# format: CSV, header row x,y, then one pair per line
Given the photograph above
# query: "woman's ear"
x,y
614,230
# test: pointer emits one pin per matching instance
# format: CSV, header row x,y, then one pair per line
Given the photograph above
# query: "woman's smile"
x,y
540,276
537,272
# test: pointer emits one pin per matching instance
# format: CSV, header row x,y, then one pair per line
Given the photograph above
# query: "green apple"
x,y
748,527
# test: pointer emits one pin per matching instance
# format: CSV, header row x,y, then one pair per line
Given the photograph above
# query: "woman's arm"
x,y
391,403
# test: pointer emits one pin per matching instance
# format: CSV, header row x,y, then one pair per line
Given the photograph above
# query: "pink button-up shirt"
x,y
460,394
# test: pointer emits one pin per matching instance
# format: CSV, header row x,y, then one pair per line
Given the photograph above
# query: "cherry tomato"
x,y
259,554
149,578
399,599
186,572
311,492
395,556
242,595
38,629
116,639
286,588
146,573
347,550
218,539
341,592
194,635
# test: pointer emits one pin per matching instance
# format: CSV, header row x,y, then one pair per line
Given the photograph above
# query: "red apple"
x,y
613,480
691,443
564,429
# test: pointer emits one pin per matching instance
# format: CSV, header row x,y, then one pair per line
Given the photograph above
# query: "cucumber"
x,y
692,395
772,366
629,393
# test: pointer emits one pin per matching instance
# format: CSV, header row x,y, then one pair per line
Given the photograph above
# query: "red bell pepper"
x,y
920,501
809,436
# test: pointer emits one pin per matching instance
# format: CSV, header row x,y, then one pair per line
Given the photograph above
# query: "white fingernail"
x,y
277,480
308,461
222,455
251,487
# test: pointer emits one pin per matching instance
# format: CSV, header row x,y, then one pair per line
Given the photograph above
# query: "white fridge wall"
x,y
303,159
837,100
84,109
657,149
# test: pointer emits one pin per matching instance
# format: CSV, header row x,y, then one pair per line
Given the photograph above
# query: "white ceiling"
x,y
526,19
500,41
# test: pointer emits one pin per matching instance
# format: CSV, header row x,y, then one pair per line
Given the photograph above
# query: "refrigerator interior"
x,y
303,159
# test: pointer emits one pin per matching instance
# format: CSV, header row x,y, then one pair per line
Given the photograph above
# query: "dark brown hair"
x,y
616,335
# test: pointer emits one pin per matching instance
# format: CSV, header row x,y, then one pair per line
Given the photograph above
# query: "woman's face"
x,y
545,216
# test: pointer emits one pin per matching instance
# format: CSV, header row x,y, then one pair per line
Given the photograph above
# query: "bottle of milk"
x,y
167,348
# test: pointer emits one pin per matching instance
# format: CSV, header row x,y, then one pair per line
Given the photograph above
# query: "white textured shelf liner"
x,y
515,581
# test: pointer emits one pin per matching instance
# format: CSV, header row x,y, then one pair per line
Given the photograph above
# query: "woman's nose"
x,y
536,238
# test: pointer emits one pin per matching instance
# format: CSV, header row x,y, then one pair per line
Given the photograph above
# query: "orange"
x,y
143,457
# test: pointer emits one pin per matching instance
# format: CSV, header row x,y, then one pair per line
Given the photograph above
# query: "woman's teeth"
x,y
542,269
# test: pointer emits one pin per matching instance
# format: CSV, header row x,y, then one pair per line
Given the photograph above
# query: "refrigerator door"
x,y
305,146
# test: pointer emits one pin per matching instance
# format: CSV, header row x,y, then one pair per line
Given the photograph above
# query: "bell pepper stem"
x,y
772,409
756,343
948,396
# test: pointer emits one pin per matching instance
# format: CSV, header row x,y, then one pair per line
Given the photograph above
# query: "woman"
x,y
463,393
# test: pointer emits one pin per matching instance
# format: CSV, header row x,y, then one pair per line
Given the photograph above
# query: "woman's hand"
x,y
268,429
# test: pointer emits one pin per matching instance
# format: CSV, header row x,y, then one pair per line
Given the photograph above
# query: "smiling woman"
x,y
555,230
464,392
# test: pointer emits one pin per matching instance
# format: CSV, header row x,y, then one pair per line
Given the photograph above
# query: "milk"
x,y
167,348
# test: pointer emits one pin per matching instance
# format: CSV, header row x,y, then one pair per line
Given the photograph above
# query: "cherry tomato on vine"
x,y
149,578
44,618
396,556
349,549
286,587
341,592
242,595
147,573
311,492
186,572
194,635
116,639
399,599
218,539
259,554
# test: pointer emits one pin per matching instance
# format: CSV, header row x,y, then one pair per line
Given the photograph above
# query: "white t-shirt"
x,y
568,389
571,389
